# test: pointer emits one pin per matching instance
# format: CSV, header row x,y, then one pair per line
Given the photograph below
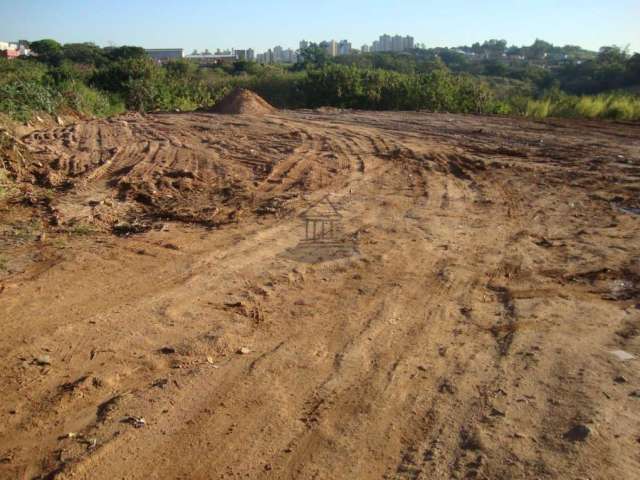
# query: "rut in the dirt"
x,y
495,275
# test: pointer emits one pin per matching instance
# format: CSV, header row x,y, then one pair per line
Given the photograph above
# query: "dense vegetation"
x,y
539,80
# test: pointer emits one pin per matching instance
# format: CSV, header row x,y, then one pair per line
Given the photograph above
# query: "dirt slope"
x,y
489,267
243,101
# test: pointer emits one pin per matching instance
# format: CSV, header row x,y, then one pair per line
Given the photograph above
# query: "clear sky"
x,y
263,24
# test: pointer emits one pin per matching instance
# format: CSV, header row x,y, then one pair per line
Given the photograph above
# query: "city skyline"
x,y
196,23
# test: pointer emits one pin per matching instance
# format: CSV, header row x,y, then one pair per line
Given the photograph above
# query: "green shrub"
x,y
621,108
590,107
19,70
89,101
20,99
615,106
538,108
352,87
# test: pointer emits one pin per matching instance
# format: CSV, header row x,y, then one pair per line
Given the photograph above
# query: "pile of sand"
x,y
243,101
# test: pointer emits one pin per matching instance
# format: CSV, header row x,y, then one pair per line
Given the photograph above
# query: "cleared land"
x,y
496,265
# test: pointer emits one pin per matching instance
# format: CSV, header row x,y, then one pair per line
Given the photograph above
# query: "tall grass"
x,y
79,97
538,108
613,106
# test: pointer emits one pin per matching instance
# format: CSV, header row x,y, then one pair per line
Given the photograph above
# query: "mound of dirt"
x,y
243,101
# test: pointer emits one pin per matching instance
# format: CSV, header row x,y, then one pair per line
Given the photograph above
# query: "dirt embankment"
x,y
243,101
459,324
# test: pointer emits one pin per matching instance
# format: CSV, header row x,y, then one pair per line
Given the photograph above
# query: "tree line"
x,y
91,80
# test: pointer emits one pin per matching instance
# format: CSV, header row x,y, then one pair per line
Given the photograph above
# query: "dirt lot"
x,y
164,317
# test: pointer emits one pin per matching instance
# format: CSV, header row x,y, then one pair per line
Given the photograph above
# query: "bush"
x,y
616,106
538,108
19,70
352,87
622,108
89,101
20,99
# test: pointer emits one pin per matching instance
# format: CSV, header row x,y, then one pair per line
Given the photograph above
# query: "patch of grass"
x,y
59,243
81,229
614,106
538,108
26,231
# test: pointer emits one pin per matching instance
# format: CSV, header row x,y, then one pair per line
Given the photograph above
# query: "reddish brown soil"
x,y
467,334
244,101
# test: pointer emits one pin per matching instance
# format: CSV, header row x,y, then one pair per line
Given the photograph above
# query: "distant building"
x,y
385,43
163,55
211,59
278,56
332,48
396,43
344,47
366,49
251,55
408,43
9,53
13,50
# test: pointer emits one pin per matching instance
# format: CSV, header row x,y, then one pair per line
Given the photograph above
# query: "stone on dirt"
x,y
577,433
43,360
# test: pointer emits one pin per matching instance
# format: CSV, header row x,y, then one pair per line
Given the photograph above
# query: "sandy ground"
x,y
172,321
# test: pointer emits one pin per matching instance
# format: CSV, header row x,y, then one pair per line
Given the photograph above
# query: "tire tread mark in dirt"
x,y
504,333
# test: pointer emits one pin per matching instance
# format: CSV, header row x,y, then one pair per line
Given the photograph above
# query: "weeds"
x,y
614,106
81,229
4,184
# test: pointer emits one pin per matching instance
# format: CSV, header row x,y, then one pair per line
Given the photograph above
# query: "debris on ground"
x,y
43,360
622,355
577,433
137,422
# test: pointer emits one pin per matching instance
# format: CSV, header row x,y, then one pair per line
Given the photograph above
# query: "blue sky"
x,y
263,24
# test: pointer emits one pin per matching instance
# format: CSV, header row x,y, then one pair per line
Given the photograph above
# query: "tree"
x,y
612,55
48,51
539,49
633,70
494,47
125,52
85,53
312,56
181,68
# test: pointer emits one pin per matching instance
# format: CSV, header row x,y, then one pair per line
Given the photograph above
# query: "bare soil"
x,y
163,315
244,101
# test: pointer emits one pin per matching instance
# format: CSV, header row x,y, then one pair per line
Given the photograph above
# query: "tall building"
x,y
278,55
366,49
397,44
385,43
408,43
332,48
251,55
344,47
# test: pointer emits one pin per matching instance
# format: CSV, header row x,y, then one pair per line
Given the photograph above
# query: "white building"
x,y
332,48
165,54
